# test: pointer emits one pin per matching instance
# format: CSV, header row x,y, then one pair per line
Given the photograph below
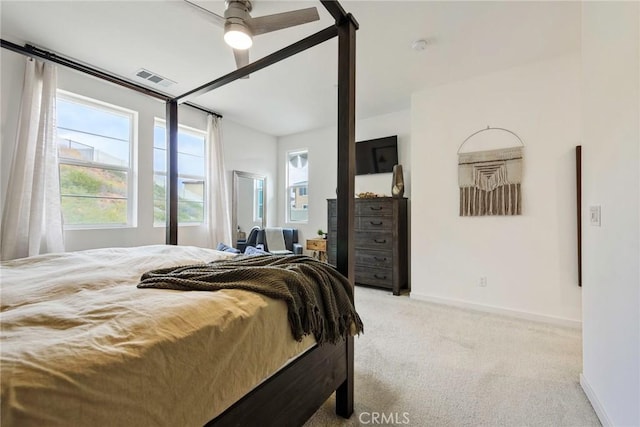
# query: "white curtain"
x,y
219,208
32,219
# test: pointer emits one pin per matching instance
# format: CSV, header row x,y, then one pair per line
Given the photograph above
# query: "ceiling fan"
x,y
240,27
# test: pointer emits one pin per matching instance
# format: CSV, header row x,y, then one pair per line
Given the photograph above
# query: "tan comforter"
x,y
81,345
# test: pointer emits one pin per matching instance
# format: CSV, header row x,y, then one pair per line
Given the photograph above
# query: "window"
x,y
297,184
191,174
95,146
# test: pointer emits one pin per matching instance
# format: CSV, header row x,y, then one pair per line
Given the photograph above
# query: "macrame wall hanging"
x,y
490,180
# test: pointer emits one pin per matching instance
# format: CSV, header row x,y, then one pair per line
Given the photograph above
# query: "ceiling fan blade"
x,y
207,14
242,58
279,21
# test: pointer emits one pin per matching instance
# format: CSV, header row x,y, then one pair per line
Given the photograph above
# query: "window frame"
x,y
258,200
205,179
131,170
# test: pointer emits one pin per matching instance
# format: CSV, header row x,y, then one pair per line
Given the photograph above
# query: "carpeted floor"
x,y
423,364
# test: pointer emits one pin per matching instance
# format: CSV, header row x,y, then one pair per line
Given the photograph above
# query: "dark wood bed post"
x,y
171,211
272,401
346,186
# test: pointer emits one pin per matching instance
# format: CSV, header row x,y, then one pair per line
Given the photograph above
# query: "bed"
x,y
296,384
82,345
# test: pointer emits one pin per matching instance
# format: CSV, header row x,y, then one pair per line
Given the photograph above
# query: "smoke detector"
x,y
419,45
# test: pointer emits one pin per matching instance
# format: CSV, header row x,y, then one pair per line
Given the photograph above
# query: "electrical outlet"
x,y
594,215
483,282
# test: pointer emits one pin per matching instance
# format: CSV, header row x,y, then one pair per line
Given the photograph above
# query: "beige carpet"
x,y
423,364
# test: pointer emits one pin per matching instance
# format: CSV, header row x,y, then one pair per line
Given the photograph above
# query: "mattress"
x,y
81,345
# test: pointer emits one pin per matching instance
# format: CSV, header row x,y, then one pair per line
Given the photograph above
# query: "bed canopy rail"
x,y
36,52
293,49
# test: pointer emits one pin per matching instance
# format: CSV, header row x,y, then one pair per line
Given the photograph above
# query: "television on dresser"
x,y
378,155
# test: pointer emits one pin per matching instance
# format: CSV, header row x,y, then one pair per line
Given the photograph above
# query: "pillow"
x,y
250,250
225,248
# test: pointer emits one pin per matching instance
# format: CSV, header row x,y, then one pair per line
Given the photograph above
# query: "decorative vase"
x,y
397,185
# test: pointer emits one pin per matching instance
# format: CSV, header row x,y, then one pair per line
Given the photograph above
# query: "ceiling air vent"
x,y
153,77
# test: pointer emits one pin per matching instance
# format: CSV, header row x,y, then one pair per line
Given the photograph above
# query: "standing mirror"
x,y
249,203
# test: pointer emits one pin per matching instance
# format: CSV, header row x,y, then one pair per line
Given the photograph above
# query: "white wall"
x,y
241,144
248,150
323,163
529,260
611,179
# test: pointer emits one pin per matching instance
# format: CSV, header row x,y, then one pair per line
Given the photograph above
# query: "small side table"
x,y
319,248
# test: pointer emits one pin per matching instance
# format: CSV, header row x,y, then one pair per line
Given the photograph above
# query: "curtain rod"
x,y
30,50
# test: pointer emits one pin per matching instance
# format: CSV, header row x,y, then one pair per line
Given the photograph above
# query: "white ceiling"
x,y
170,39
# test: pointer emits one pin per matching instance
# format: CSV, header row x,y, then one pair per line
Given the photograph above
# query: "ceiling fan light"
x,y
237,37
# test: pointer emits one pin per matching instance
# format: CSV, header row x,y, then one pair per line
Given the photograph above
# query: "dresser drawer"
x,y
317,245
374,223
380,259
382,277
374,239
373,207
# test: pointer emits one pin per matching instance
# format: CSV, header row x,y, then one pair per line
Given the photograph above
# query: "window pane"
x,y
190,165
258,205
159,199
86,210
160,160
191,176
159,137
190,212
298,204
190,189
93,135
92,196
298,166
88,118
190,200
191,144
297,179
93,182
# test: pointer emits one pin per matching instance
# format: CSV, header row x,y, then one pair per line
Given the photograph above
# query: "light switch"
x,y
594,213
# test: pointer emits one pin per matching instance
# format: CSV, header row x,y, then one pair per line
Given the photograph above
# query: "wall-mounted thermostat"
x,y
594,214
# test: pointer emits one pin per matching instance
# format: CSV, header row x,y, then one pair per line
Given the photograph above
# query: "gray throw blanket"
x,y
318,297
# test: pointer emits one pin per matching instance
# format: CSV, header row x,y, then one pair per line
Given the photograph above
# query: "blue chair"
x,y
252,239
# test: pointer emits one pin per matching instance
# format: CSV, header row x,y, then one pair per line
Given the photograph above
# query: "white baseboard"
x,y
499,310
597,406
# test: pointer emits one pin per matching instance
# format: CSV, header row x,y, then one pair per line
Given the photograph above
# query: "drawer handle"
x,y
380,259
380,277
380,241
379,208
375,223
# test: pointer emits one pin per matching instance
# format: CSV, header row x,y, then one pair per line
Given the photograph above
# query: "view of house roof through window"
x,y
191,174
297,186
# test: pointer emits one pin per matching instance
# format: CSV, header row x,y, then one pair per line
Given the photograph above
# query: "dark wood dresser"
x,y
381,257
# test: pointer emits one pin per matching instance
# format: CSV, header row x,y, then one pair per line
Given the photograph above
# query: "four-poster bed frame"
x,y
294,393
